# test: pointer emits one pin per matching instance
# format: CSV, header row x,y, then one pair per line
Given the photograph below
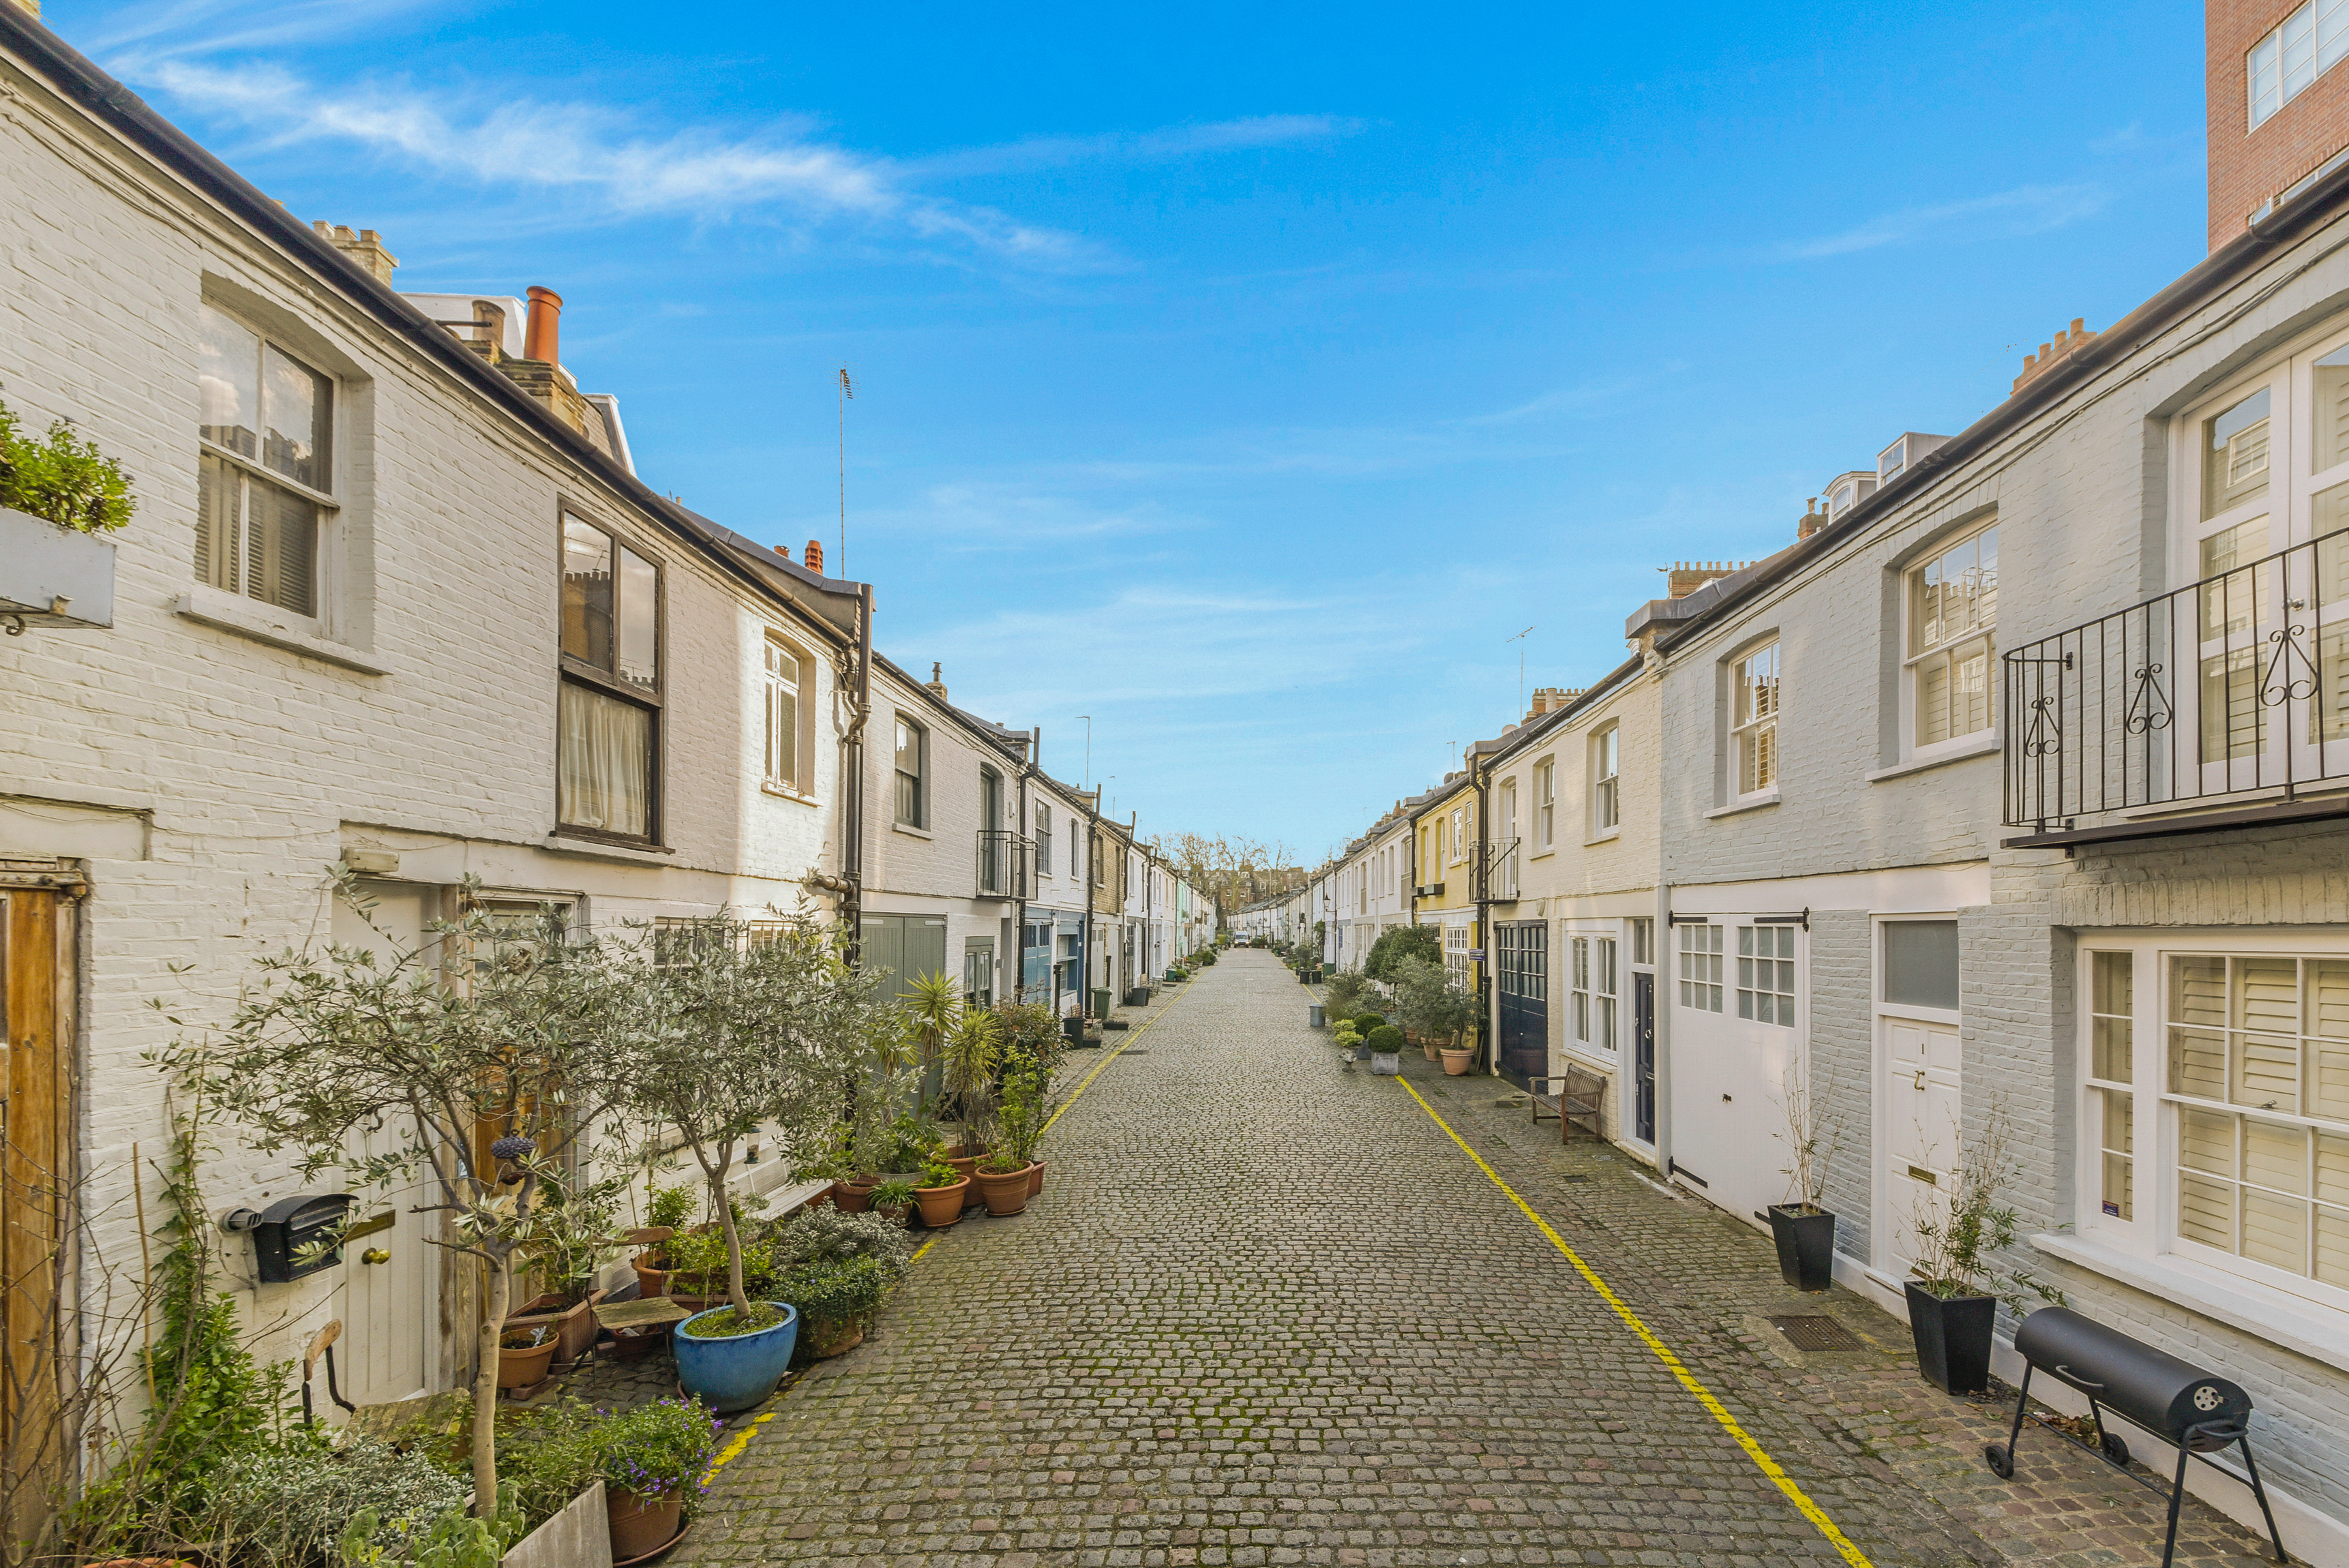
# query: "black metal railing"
x,y
1498,858
2237,685
1006,862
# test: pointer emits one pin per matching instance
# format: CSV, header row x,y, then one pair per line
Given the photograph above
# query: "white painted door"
x,y
1921,1130
384,1298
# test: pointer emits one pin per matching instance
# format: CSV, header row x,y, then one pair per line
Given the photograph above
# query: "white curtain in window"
x,y
602,772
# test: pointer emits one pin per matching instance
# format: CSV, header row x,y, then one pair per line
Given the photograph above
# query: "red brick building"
x,y
2279,105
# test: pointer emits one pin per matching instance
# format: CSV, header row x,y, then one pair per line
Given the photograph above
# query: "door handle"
x,y
1921,1078
376,1255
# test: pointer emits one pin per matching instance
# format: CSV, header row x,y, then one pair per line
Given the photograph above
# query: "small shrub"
x,y
669,1206
1384,1040
891,1195
828,1236
938,1173
836,1294
547,1457
292,1504
1365,1022
67,482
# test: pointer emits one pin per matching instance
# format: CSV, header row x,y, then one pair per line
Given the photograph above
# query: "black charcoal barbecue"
x,y
2199,1411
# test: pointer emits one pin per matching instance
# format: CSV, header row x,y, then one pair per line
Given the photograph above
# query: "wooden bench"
x,y
1577,1097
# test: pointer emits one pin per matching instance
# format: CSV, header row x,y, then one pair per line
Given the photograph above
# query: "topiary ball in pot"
x,y
1385,1040
1365,1022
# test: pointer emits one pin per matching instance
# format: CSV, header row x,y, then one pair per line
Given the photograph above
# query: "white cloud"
x,y
593,153
1166,145
2026,209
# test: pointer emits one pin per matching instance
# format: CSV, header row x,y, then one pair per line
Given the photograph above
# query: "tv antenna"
x,y
1520,640
847,391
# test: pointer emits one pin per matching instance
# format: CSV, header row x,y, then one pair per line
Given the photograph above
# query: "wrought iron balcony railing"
x,y
2237,685
1006,864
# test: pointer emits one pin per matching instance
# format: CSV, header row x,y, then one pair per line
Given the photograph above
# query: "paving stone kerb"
x,y
1267,1312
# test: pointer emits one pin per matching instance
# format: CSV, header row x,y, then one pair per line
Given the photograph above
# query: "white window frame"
x,y
1545,805
2289,60
1043,838
1607,781
1751,972
1700,968
775,685
1950,652
2149,1233
1595,970
1754,721
325,538
919,820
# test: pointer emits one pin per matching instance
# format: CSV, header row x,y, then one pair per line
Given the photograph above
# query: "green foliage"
x,y
733,1322
836,1294
1423,942
1958,1245
829,1236
67,482
669,1206
893,1194
700,1260
548,1456
1365,1022
661,1449
938,1173
453,1540
289,1504
1384,1040
1345,992
1431,1002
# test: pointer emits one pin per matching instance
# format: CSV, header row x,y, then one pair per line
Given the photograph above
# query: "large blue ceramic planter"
x,y
730,1375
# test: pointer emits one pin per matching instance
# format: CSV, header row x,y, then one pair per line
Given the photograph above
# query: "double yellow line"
x,y
1673,1364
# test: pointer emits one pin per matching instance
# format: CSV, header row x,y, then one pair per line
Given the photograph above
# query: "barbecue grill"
x,y
2199,1411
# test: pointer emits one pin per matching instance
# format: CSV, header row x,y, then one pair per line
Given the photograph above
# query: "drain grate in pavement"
x,y
1817,1334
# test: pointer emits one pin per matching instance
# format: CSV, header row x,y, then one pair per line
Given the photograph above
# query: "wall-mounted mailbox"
x,y
288,1225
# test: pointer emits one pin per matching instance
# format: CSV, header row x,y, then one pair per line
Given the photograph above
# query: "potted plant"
x,y
1958,1286
666,1210
577,1242
1803,1231
1002,1179
1457,1060
1350,1044
1027,1104
721,1037
940,1193
890,1200
525,1354
55,498
1386,1050
655,1458
836,1300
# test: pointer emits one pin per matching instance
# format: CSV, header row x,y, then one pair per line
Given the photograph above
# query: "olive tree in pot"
x,y
1958,1285
1803,1231
725,1032
1433,1005
466,1061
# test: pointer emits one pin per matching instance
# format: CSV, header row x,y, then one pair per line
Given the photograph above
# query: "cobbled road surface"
x,y
1267,1311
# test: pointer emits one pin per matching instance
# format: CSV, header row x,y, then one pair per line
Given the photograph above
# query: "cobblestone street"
x,y
1267,1311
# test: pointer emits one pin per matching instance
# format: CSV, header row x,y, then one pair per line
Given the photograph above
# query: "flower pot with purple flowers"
x,y
655,1458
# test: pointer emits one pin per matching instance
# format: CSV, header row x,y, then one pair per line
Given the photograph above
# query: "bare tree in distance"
x,y
1233,870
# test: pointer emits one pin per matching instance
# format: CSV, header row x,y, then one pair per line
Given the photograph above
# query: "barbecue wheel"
x,y
2001,1462
2115,1449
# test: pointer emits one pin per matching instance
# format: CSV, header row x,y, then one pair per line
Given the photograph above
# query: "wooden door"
x,y
387,1273
35,1158
1921,1128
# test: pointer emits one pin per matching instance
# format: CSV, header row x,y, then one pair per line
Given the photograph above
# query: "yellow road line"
x,y
1714,1407
1132,1036
741,1441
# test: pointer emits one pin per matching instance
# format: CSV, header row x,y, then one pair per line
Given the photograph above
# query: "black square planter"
x,y
1806,1246
1953,1338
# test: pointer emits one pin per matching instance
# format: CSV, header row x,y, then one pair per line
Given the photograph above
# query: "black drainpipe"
x,y
852,847
1026,821
1481,937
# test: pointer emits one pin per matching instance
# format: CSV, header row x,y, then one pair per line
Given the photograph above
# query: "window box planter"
x,y
737,1372
52,576
1806,1245
575,1325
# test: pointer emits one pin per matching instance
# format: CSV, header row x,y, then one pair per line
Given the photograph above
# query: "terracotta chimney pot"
x,y
541,332
816,557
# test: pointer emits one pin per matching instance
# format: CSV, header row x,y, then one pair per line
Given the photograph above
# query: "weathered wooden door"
x,y
36,997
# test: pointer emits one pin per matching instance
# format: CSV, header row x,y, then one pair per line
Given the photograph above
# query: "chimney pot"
x,y
541,332
364,247
816,557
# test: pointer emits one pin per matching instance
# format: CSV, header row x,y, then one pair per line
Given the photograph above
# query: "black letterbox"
x,y
291,1224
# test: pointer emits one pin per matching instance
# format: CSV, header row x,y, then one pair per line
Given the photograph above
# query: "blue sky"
x,y
1242,376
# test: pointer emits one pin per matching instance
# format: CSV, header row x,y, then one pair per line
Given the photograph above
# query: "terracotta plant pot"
x,y
521,1368
837,1339
641,1525
575,1324
650,1280
1006,1191
941,1206
1035,1179
963,1164
1430,1048
1457,1063
851,1197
